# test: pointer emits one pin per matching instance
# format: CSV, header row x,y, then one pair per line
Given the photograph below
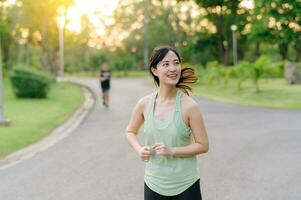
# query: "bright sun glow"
x,y
105,9
249,4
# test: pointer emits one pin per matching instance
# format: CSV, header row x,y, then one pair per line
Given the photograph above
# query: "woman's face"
x,y
169,69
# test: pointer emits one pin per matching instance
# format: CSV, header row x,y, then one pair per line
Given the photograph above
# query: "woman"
x,y
105,77
174,131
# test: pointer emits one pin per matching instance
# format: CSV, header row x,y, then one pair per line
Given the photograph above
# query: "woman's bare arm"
x,y
136,120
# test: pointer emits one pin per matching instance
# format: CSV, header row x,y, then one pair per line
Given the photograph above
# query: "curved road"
x,y
254,154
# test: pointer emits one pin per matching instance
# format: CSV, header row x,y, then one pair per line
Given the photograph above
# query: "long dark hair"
x,y
187,74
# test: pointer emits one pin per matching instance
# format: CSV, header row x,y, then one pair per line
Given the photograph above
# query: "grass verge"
x,y
275,93
33,119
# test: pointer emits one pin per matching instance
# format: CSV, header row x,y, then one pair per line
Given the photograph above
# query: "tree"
x,y
45,25
6,26
280,24
222,14
285,24
167,23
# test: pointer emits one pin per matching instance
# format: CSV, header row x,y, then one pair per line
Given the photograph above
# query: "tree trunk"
x,y
222,52
49,54
298,51
27,54
44,59
283,49
5,54
257,49
20,53
256,53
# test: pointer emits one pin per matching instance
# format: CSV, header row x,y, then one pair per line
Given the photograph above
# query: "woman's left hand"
x,y
161,149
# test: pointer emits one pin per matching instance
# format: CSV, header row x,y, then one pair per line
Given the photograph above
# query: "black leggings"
x,y
192,193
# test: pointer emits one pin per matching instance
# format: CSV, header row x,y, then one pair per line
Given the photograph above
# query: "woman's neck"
x,y
167,93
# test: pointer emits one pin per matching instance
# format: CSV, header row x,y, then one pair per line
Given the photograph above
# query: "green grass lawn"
x,y
275,93
33,119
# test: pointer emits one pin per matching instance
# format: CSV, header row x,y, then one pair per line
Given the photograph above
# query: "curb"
x,y
56,135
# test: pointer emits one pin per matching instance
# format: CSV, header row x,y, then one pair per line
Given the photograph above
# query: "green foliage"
x,y
29,83
263,67
199,29
45,25
277,94
222,14
33,119
241,73
147,28
213,74
6,39
225,73
274,70
204,48
278,22
122,63
257,70
96,61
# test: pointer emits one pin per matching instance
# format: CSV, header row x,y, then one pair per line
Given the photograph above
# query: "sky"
x,y
89,7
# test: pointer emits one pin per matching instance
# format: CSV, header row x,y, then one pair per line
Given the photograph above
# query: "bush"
x,y
225,74
29,83
258,70
241,73
274,70
213,73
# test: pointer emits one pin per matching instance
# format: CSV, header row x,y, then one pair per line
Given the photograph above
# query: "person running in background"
x,y
105,78
174,131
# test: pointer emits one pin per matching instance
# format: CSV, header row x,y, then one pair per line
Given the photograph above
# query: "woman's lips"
x,y
172,76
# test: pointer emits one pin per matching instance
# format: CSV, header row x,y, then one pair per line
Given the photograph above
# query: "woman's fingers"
x,y
145,153
158,147
161,149
146,150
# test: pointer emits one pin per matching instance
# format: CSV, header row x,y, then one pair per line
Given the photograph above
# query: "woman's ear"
x,y
154,71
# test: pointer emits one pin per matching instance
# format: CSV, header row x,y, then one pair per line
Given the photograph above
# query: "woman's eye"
x,y
165,64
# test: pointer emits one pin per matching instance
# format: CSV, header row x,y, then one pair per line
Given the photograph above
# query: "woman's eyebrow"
x,y
166,61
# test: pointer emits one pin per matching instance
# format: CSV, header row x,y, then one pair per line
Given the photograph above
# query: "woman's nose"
x,y
172,67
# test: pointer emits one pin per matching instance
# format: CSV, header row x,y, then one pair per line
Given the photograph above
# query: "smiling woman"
x,y
174,131
89,8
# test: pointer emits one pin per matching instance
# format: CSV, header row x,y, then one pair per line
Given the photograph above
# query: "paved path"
x,y
254,154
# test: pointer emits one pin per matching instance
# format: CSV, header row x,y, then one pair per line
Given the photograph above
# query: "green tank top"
x,y
168,175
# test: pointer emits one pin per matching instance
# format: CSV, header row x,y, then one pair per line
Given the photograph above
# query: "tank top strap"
x,y
178,101
151,105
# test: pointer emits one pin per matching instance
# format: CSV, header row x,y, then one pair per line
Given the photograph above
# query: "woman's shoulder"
x,y
143,102
188,103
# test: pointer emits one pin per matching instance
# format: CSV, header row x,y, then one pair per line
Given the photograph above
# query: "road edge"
x,y
57,134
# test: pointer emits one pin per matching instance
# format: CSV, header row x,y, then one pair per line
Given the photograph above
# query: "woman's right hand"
x,y
144,153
